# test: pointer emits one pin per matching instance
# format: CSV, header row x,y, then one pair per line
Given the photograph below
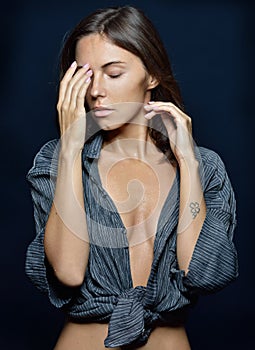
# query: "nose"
x,y
97,86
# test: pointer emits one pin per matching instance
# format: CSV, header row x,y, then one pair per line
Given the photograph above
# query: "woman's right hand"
x,y
66,235
71,109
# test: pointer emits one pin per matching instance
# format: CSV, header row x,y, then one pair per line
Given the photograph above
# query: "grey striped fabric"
x,y
107,293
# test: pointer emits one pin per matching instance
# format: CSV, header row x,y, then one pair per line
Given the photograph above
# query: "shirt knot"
x,y
127,321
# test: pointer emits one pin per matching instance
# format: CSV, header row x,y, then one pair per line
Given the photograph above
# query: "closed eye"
x,y
114,76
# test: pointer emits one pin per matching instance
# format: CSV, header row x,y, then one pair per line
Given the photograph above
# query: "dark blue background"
x,y
211,46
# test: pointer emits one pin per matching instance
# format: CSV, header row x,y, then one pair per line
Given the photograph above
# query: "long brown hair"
x,y
130,29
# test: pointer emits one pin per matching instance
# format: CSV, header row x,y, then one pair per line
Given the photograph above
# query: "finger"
x,y
169,107
157,109
165,115
65,94
150,115
79,90
63,84
82,93
160,107
72,82
166,105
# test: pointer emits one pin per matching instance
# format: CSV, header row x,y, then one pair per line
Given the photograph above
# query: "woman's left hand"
x,y
178,126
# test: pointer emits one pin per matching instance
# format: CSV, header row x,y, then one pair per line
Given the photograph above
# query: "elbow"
x,y
210,281
66,269
69,277
68,274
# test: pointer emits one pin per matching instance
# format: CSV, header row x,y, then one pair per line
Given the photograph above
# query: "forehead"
x,y
97,50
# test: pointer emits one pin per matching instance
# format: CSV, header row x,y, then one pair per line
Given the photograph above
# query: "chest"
x,y
138,189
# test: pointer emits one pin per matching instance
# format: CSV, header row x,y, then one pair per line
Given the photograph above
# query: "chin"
x,y
110,126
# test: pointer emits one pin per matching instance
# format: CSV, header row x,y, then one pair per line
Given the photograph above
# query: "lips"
x,y
102,111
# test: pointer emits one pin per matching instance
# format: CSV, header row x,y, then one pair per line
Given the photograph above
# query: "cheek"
x,y
131,90
138,87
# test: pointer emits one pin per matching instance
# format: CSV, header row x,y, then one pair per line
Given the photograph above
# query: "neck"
x,y
131,140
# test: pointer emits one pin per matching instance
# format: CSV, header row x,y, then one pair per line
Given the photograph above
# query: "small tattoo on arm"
x,y
194,208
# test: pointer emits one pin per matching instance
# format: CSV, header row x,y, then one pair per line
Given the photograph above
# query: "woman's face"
x,y
120,84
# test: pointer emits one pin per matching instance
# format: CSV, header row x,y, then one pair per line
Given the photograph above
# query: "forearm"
x,y
66,238
192,211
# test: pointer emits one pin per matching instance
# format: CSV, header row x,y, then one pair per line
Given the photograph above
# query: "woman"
x,y
133,220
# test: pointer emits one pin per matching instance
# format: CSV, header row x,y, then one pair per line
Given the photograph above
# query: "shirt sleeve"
x,y
41,178
214,261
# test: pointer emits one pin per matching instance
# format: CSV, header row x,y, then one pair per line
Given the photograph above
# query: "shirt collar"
x,y
93,146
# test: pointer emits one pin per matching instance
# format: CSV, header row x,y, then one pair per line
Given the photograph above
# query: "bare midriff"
x,y
91,337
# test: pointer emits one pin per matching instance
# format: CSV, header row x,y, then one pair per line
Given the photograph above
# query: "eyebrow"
x,y
111,63
107,64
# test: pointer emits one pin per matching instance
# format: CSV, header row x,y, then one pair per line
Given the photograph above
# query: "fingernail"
x,y
88,80
89,72
150,102
73,64
86,65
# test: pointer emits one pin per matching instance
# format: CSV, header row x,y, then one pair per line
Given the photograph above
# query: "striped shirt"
x,y
107,293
